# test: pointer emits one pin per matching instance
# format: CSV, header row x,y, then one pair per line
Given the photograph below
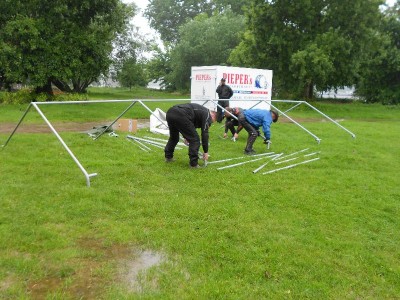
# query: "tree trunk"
x,y
309,90
45,88
62,86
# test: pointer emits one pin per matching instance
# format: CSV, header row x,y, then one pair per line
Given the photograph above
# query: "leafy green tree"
x,y
66,43
380,74
204,41
166,16
132,74
308,43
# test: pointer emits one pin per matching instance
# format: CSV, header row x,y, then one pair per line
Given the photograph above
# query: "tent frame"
x,y
132,102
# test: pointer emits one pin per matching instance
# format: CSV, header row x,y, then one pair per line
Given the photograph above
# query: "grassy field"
x,y
146,229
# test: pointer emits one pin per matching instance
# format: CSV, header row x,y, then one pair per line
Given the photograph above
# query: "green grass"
x,y
326,230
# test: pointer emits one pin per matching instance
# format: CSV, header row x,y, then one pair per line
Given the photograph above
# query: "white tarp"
x,y
158,122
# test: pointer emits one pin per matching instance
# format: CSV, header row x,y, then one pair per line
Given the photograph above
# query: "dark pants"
x,y
178,122
230,124
251,130
220,115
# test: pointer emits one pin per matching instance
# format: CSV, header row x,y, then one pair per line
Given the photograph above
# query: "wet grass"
x,y
328,229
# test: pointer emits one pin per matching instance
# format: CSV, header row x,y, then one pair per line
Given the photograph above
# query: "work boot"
x,y
249,146
249,152
195,167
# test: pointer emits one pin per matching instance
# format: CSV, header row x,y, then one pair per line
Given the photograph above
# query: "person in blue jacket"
x,y
252,120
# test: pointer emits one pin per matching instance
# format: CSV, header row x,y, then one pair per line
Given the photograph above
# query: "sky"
x,y
142,22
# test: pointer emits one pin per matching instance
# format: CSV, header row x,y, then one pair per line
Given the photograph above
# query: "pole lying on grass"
x,y
294,153
311,154
239,164
291,166
153,143
283,161
140,145
262,166
235,158
165,141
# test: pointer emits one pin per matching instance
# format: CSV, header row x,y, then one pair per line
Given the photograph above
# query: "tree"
x,y
380,74
63,43
166,16
308,43
132,74
204,41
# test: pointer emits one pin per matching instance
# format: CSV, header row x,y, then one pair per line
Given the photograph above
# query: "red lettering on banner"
x,y
239,78
203,77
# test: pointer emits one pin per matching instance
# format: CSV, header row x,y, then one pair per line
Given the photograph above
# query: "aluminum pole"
x,y
140,144
329,118
298,124
235,158
19,123
239,164
146,107
291,166
87,176
294,153
113,122
232,115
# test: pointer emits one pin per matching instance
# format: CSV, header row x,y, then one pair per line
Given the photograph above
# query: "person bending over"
x,y
184,119
231,122
251,120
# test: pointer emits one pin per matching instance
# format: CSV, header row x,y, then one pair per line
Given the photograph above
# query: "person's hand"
x,y
205,156
235,136
225,135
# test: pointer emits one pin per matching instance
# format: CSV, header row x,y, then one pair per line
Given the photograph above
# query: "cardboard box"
x,y
128,125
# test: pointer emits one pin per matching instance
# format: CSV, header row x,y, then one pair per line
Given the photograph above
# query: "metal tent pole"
x,y
330,119
113,122
146,107
19,123
293,107
298,124
87,175
232,115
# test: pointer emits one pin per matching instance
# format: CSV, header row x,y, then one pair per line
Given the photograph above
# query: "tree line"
x,y
311,45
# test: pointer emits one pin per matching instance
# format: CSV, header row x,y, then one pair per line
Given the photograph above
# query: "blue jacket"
x,y
260,117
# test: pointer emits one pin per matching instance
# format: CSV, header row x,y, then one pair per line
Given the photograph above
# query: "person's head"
x,y
228,112
275,115
223,81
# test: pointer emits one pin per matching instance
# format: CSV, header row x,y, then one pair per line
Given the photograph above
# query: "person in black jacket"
x,y
184,119
231,122
224,91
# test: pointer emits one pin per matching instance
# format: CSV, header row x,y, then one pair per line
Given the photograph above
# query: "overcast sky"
x,y
141,21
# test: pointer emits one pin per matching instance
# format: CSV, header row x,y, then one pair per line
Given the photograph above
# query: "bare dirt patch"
x,y
61,126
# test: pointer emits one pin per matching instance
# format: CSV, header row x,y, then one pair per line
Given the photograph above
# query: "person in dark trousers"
x,y
224,91
231,122
184,119
251,120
